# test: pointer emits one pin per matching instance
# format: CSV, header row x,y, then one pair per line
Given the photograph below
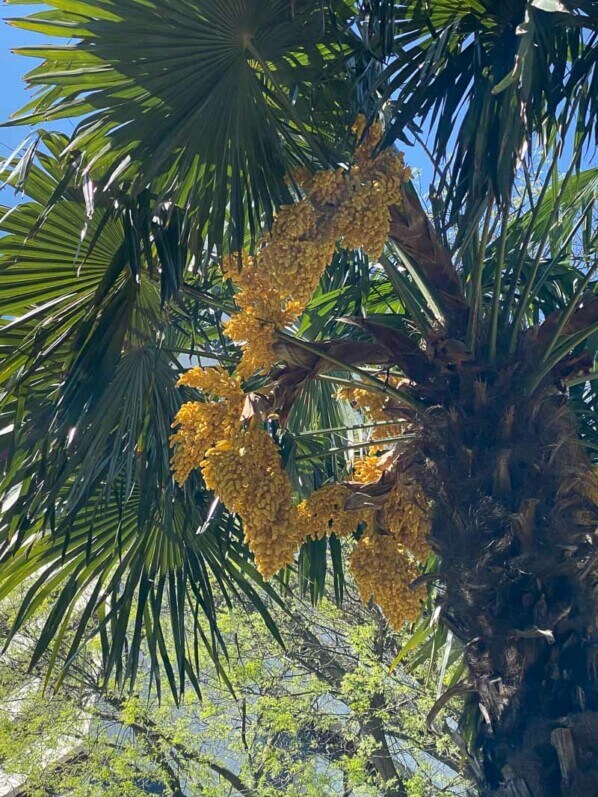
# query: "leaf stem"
x,y
352,447
367,378
518,267
405,293
500,262
536,264
476,298
337,429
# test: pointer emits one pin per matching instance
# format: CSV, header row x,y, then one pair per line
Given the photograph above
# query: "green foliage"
x,y
490,78
213,117
306,721
89,377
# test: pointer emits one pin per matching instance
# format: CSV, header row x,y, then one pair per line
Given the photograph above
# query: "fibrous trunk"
x,y
515,518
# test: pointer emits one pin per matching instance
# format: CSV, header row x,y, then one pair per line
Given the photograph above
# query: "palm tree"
x,y
186,136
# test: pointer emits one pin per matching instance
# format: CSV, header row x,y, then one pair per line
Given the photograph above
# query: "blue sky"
x,y
12,68
13,93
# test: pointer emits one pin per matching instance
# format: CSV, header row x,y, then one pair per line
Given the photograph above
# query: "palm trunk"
x,y
515,526
514,520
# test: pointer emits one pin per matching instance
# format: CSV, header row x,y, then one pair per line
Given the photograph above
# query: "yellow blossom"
x,y
383,571
201,424
350,206
407,517
324,513
367,469
246,473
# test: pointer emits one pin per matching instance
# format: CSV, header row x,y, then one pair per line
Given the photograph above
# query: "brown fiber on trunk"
x,y
515,517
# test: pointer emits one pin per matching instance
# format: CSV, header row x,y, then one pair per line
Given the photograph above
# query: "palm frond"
x,y
488,79
210,104
90,356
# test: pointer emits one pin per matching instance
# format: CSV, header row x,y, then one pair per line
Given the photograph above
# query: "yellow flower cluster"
x,y
405,514
367,469
297,252
242,466
347,205
383,571
355,203
215,382
374,184
324,513
384,564
262,311
201,424
407,517
246,473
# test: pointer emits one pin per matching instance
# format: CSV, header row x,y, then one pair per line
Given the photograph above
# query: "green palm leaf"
x,y
486,78
209,103
89,357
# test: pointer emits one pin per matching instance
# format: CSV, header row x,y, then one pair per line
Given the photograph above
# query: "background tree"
x,y
321,717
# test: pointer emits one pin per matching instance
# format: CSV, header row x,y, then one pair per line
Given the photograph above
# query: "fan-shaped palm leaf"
x,y
487,78
210,103
89,358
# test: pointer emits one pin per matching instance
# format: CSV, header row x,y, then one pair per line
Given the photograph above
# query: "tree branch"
x,y
151,732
